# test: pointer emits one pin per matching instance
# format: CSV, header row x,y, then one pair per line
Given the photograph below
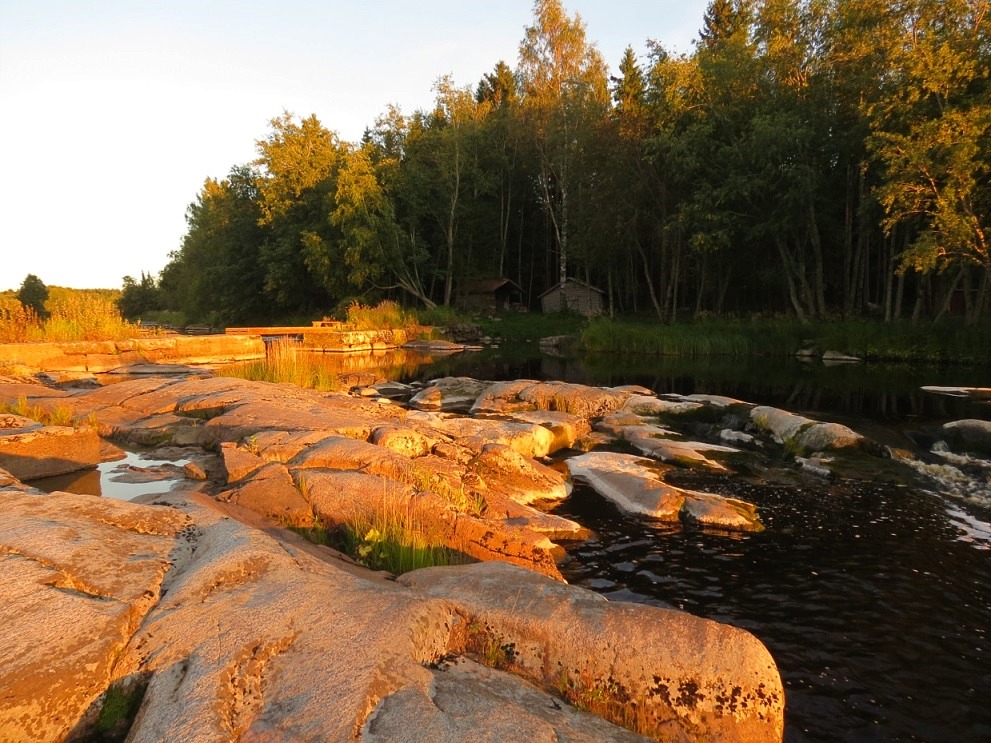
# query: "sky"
x,y
114,112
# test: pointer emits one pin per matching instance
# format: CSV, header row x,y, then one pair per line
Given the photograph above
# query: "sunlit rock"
x,y
689,678
449,394
804,433
29,451
79,574
637,486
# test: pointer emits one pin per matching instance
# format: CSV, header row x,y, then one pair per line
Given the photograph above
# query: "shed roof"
x,y
571,280
487,286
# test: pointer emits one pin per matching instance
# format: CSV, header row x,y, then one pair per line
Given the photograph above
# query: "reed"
x,y
72,316
286,362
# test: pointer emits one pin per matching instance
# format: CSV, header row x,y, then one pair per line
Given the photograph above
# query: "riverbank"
x,y
213,566
948,342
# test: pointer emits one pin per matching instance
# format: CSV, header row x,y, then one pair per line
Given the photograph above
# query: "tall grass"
x,y
72,316
396,540
387,315
393,537
286,362
873,341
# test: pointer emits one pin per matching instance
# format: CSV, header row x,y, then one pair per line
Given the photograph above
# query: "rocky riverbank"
x,y
212,620
228,624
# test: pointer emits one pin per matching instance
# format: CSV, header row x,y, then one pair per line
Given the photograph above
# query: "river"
x,y
874,599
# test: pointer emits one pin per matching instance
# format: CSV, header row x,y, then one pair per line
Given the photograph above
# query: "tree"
x,y
565,95
370,238
33,294
217,275
298,164
138,298
932,134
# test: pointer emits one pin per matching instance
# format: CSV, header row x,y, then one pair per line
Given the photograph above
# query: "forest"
x,y
809,158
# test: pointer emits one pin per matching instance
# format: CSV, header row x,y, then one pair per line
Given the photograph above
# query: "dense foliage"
x,y
810,157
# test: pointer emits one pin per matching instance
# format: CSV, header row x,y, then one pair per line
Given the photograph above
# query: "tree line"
x,y
814,157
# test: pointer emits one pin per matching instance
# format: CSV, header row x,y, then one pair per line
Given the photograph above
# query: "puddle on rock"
x,y
137,473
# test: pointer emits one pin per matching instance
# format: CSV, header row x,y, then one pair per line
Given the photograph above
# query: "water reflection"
x,y
116,479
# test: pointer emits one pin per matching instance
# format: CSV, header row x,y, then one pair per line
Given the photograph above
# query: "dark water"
x,y
875,600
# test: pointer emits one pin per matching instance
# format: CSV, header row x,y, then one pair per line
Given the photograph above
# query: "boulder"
x,y
507,472
529,439
655,406
449,394
566,428
688,678
970,435
580,400
404,441
636,486
29,451
803,433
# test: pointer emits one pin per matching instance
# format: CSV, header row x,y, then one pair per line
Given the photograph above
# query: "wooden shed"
x,y
489,294
573,295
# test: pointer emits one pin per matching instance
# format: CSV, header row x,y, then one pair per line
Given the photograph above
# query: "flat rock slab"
x,y
32,452
78,575
637,487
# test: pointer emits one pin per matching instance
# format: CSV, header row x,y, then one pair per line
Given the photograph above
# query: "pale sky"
x,y
114,112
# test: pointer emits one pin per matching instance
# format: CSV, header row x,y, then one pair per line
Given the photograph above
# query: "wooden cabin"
x,y
492,295
573,295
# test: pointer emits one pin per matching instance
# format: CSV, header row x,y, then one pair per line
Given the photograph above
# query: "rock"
x,y
736,437
971,435
449,394
464,700
238,462
79,574
690,678
781,424
529,439
644,405
139,475
342,453
804,433
434,347
580,400
831,358
655,442
403,441
827,436
508,472
565,427
271,492
192,471
30,451
718,401
978,393
636,486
